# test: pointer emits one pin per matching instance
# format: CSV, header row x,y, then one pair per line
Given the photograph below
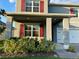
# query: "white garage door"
x,y
60,35
74,35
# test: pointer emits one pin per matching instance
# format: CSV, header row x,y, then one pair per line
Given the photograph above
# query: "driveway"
x,y
64,54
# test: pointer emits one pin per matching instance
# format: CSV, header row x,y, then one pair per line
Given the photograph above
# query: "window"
x,y
32,30
32,5
35,6
28,6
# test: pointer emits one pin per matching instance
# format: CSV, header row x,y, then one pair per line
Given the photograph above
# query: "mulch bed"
x,y
42,54
31,54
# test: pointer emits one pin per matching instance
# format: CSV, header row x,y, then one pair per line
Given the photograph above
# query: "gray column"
x,y
49,29
66,32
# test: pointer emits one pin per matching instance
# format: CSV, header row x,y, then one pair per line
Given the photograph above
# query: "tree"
x,y
2,25
2,12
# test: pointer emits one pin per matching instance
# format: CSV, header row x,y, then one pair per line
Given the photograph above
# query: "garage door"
x,y
74,35
60,35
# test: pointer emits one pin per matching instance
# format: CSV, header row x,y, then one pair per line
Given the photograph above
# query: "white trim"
x,y
32,10
32,5
31,30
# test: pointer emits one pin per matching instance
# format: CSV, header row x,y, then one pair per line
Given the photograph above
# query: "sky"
x,y
8,6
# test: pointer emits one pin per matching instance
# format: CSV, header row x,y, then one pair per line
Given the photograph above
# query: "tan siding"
x,y
18,5
17,29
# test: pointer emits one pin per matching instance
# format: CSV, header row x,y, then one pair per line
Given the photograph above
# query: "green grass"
x,y
31,58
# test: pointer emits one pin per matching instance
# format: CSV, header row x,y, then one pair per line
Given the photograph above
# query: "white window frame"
x,y
33,6
32,25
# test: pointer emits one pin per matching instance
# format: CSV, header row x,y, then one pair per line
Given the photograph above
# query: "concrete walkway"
x,y
69,55
65,54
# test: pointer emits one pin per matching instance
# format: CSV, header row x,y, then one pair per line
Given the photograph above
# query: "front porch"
x,y
39,25
32,27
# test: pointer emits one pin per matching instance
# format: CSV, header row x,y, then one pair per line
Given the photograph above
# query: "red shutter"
x,y
22,33
41,6
71,11
41,30
22,5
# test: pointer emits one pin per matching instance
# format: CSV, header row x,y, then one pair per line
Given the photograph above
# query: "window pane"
x,y
35,27
35,9
27,27
36,4
29,4
35,33
28,9
28,33
35,0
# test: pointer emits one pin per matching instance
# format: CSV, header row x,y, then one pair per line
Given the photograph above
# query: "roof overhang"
x,y
64,5
24,16
40,14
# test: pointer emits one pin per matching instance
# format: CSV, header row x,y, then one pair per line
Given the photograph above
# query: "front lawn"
x,y
43,57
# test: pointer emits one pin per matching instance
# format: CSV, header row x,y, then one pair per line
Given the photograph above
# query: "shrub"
x,y
30,45
20,46
42,46
27,45
50,46
36,43
15,38
1,45
9,46
46,46
71,48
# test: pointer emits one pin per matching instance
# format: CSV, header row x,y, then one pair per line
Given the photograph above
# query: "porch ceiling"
x,y
28,18
23,16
